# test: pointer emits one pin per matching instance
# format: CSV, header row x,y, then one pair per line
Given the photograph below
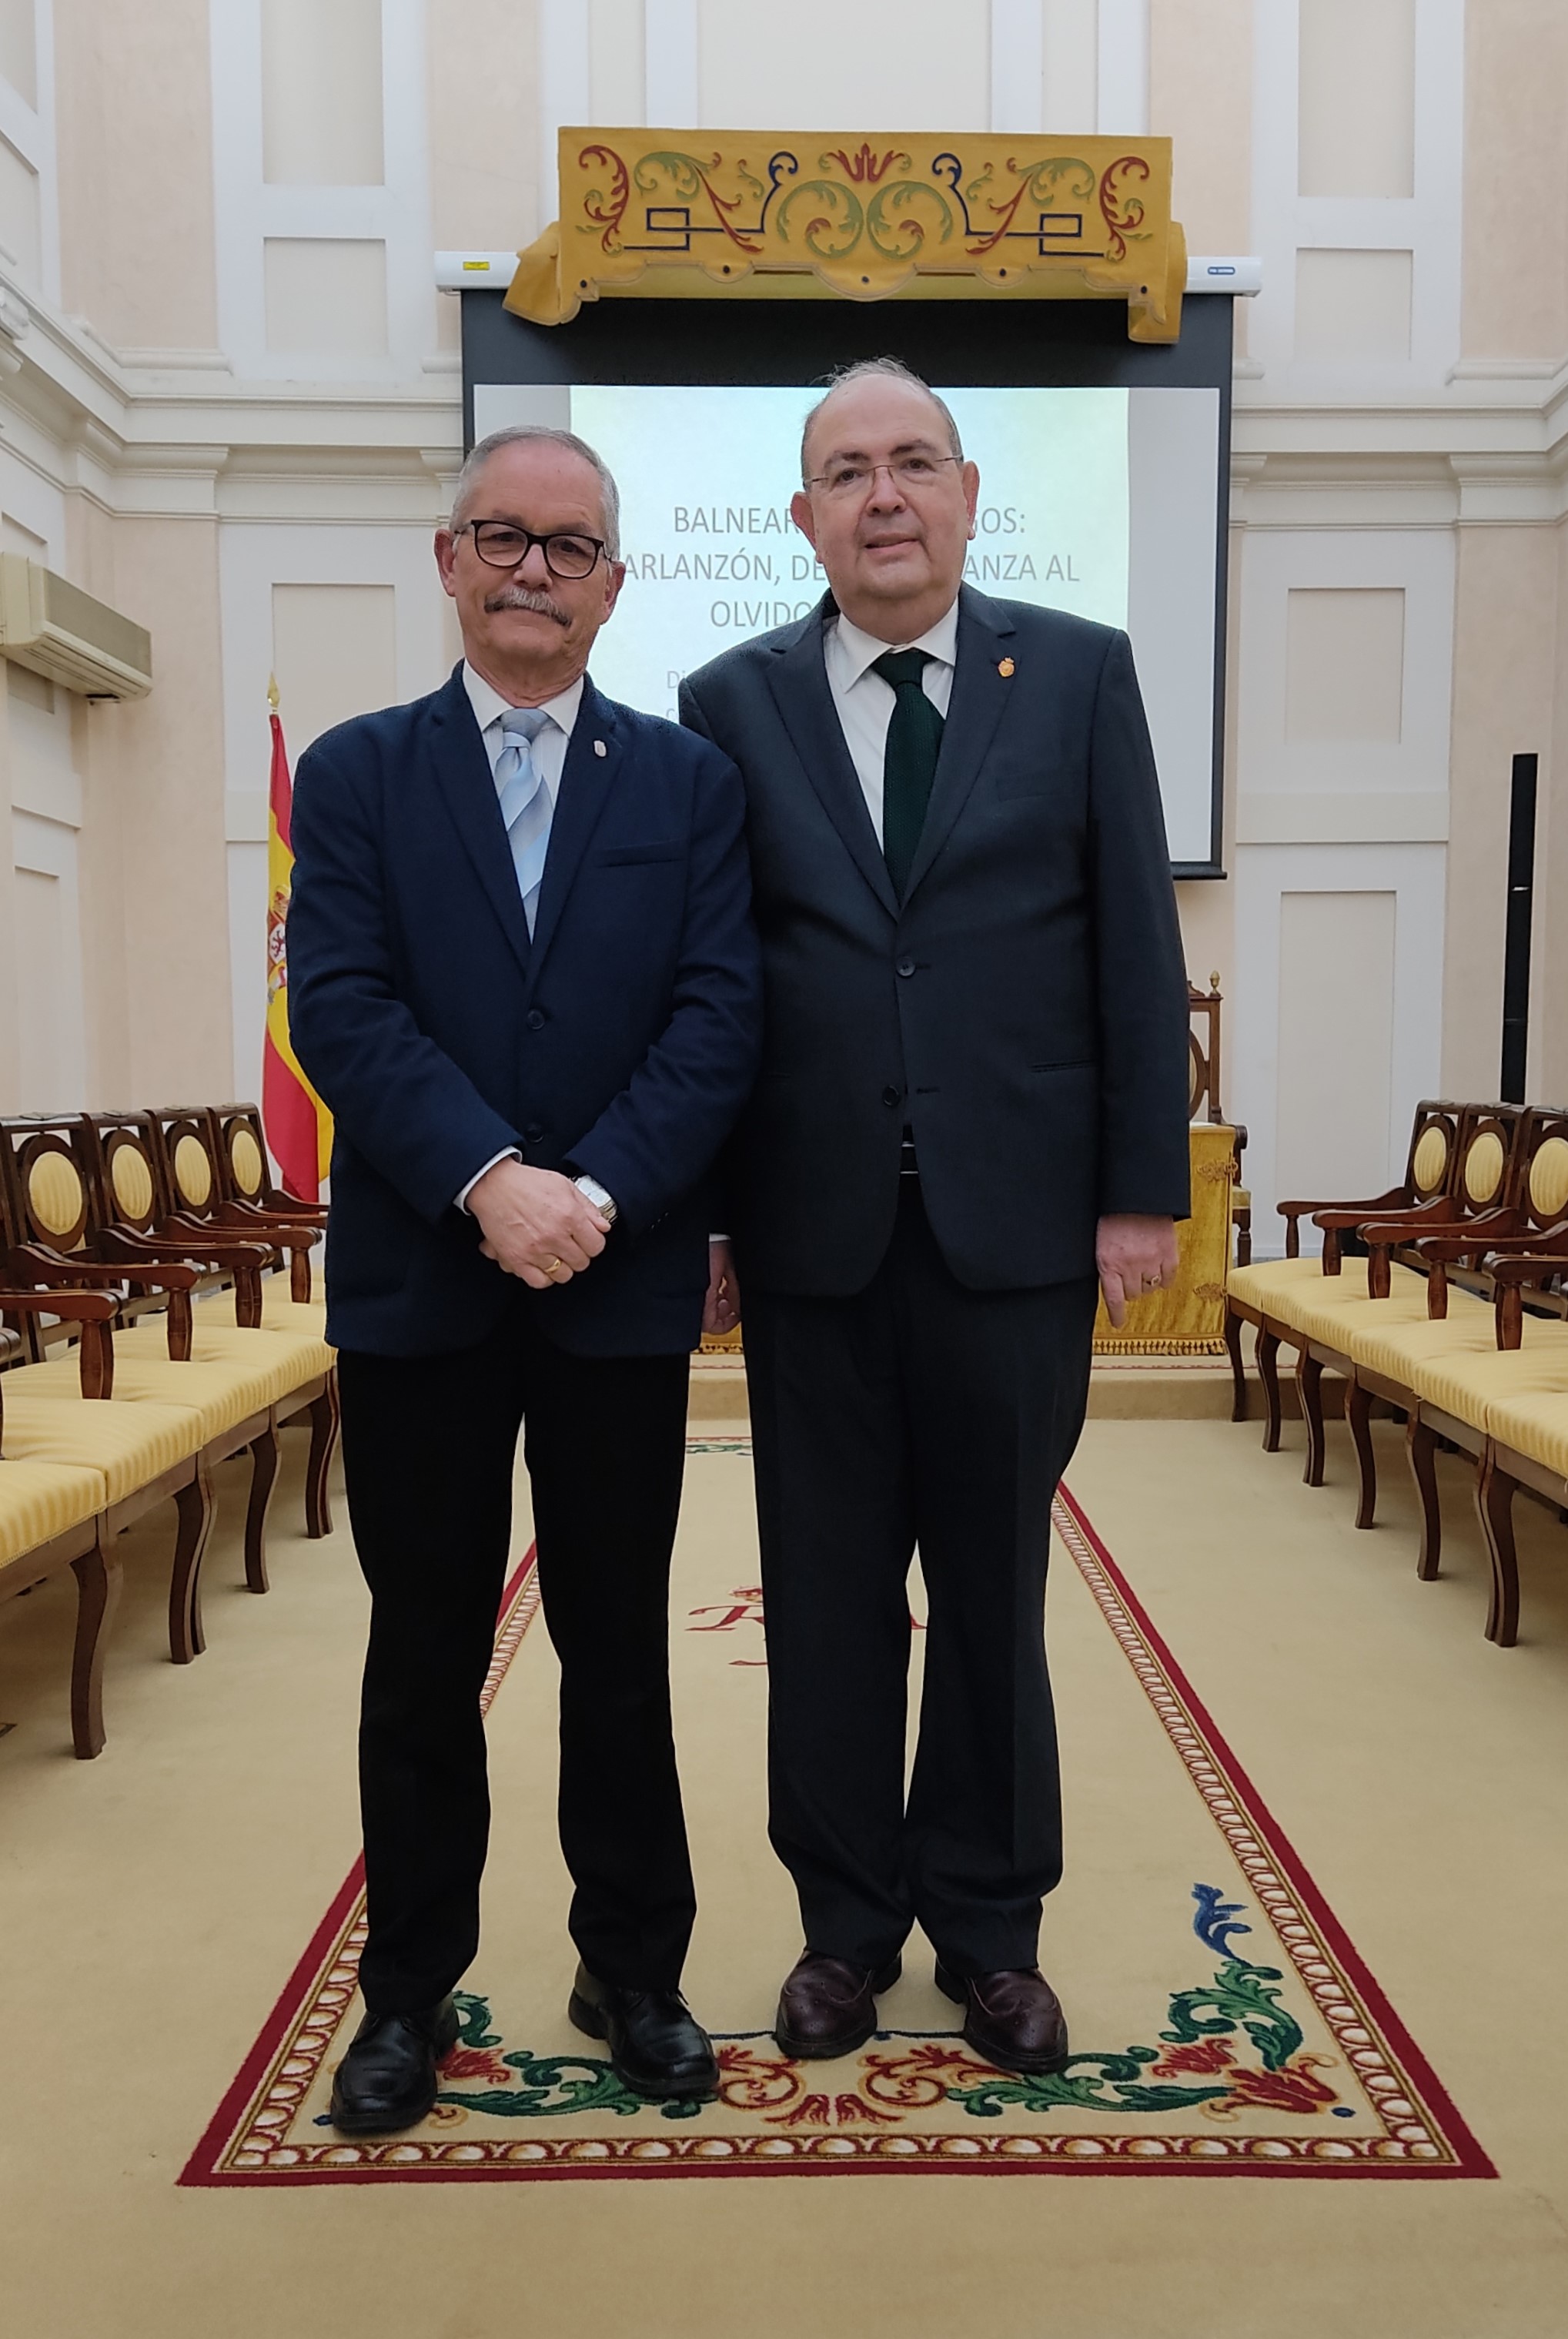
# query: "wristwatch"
x,y
603,1202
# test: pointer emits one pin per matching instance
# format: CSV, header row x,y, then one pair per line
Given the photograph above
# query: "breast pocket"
x,y
630,857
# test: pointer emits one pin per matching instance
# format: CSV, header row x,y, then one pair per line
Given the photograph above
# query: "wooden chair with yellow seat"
x,y
229,1325
193,1176
1258,1294
1329,1323
1526,1392
53,1518
58,1246
141,1454
249,1198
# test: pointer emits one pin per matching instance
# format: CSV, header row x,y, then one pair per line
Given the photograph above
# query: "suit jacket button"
x,y
536,1018
889,1095
906,966
534,1131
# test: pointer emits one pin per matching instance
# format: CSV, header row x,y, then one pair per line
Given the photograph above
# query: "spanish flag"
x,y
298,1126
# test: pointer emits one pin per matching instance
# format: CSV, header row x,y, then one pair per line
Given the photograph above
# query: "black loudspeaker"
x,y
1517,934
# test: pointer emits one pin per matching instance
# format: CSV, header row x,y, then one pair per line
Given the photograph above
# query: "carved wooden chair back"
x,y
192,1159
1203,1051
49,1196
1542,1184
1433,1163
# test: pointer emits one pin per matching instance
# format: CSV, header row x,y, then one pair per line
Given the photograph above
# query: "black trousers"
x,y
429,1448
914,1413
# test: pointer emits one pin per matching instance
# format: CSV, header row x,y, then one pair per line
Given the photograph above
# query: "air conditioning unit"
x,y
61,632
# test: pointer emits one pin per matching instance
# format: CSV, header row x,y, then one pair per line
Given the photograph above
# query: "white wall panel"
x,y
19,47
1315,126
1391,776
1358,98
48,946
1336,1056
325,298
322,93
1320,977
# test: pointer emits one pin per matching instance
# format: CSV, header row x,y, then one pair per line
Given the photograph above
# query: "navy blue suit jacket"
x,y
622,1039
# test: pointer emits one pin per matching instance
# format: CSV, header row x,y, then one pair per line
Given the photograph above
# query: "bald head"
x,y
877,375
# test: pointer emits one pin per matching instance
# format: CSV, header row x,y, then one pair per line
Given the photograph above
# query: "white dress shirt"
x,y
865,702
549,755
549,749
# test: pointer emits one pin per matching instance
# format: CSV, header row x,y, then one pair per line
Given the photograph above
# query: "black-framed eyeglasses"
x,y
500,544
850,475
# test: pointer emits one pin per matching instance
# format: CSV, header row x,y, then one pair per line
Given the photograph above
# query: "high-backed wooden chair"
x,y
198,1170
60,1241
134,1176
1259,1294
148,1451
55,1515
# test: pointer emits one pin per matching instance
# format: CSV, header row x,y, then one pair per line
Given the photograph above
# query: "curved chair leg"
x,y
98,1578
263,1471
194,1505
1309,1383
326,1415
1358,1413
1421,1447
1238,1370
1495,1508
1268,1374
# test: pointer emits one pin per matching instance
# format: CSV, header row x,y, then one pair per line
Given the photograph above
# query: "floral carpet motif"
x,y
1264,2049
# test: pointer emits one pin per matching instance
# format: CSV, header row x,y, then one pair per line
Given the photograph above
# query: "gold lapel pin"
x,y
1005,669
600,748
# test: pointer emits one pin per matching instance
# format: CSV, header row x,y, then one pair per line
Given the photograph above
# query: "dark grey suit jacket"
x,y
1023,1011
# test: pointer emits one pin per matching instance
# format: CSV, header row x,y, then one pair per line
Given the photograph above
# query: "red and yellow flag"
x,y
299,1127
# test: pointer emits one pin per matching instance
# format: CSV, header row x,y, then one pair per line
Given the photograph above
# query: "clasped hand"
x,y
536,1224
1135,1256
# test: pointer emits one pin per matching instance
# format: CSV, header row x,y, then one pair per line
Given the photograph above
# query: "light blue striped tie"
x,y
525,806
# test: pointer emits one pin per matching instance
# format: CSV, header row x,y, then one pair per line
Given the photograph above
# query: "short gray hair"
x,y
518,433
873,369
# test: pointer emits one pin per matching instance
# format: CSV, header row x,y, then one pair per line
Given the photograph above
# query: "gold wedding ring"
x,y
549,1266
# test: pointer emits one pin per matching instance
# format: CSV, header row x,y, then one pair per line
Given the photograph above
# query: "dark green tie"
x,y
909,765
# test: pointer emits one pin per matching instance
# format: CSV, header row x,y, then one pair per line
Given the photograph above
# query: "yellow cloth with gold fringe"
x,y
1187,1318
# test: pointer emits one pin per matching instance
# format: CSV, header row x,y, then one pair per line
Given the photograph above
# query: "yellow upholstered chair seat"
x,y
301,1354
1337,1321
1534,1426
218,1395
39,1500
1482,1390
128,1446
282,1314
1273,1283
1418,1356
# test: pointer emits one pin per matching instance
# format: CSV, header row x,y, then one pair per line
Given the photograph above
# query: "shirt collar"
x,y
858,650
488,705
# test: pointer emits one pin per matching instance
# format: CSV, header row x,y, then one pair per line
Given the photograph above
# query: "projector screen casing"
x,y
1026,344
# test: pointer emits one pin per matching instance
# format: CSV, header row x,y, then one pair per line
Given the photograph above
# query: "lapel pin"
x,y
600,748
1005,669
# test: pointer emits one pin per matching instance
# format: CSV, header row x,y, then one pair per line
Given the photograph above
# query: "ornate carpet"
x,y
1226,2024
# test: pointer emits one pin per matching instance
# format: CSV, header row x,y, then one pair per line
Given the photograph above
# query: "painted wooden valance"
x,y
792,214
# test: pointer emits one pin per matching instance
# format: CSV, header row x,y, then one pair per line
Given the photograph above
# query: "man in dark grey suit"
x,y
973,1094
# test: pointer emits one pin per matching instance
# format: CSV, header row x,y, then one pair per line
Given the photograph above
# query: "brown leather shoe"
x,y
1014,2019
828,2007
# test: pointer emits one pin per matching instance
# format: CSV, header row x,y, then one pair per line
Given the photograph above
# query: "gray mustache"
x,y
523,597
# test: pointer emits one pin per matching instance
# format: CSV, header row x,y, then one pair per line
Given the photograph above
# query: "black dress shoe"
x,y
387,2080
1014,2019
657,2048
827,2006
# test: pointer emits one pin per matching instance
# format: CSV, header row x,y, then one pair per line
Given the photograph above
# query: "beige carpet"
x,y
157,1901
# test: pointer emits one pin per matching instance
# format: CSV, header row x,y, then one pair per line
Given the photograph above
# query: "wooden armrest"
x,y
94,1311
1537,1267
103,1269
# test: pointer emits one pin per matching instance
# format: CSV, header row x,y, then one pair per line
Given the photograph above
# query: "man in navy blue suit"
x,y
524,976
